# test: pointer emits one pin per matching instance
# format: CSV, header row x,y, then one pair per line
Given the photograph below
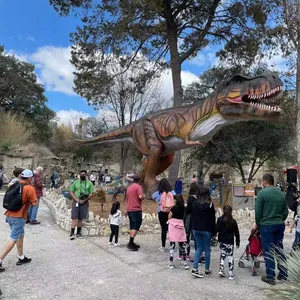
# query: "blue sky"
x,y
33,31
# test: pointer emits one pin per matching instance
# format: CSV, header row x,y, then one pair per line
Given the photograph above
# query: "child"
x,y
296,222
115,220
227,228
177,231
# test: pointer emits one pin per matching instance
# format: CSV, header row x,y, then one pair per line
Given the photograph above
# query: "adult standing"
x,y
93,178
38,185
81,192
17,219
203,226
134,197
54,180
270,214
163,187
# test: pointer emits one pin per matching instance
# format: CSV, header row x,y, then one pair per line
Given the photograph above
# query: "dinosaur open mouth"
x,y
262,101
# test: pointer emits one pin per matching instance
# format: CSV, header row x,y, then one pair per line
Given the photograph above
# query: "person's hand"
x,y
291,230
126,214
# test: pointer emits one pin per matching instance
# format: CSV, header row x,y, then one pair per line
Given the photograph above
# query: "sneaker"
x,y
196,273
132,247
27,221
136,245
208,272
202,260
78,235
188,258
222,274
170,265
35,222
267,280
23,261
110,243
1,268
179,256
162,249
117,245
185,266
231,277
72,237
281,277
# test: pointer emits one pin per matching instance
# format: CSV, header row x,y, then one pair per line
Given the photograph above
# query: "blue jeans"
x,y
272,237
33,210
202,239
296,243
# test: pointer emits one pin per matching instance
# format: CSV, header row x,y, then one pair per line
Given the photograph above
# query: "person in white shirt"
x,y
93,178
115,220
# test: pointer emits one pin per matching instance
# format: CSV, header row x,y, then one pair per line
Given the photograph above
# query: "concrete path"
x,y
90,269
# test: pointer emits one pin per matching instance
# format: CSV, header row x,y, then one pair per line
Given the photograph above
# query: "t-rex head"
x,y
249,98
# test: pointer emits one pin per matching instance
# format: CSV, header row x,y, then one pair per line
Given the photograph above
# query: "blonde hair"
x,y
39,169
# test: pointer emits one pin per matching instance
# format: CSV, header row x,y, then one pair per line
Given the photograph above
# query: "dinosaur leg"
x,y
164,163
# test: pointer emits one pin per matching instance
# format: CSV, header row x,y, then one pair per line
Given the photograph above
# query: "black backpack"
x,y
13,197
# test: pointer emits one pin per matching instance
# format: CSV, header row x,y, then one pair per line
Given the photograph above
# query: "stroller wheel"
x,y
257,264
241,264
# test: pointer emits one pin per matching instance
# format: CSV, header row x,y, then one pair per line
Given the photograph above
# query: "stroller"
x,y
252,252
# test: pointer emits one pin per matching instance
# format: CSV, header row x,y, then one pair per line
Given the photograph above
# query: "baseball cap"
x,y
27,173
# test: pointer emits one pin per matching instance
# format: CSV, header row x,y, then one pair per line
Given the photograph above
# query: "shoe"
x,y
132,247
35,222
78,235
208,272
110,243
202,260
72,237
188,258
196,273
179,256
136,245
162,249
185,266
1,268
23,261
27,221
117,245
231,277
281,277
170,265
267,280
222,274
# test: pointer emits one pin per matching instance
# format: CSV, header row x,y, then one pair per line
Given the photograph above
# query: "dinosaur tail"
x,y
118,135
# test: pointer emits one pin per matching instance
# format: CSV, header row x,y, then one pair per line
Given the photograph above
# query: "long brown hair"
x,y
227,216
204,195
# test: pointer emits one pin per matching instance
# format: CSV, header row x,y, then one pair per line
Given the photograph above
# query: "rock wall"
x,y
97,226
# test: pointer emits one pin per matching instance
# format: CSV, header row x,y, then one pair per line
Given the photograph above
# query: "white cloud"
x,y
70,117
56,70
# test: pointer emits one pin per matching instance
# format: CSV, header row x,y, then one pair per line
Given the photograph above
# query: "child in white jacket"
x,y
115,220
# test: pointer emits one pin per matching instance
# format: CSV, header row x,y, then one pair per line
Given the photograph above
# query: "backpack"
x,y
166,201
13,197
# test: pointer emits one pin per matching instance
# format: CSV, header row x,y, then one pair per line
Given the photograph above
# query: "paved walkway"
x,y
90,269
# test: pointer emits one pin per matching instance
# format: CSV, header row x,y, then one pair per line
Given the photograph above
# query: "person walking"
x,y
81,192
17,219
164,191
193,194
177,231
115,220
38,185
134,197
270,214
204,227
228,229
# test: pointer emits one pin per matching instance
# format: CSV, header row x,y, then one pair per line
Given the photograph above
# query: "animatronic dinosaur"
x,y
158,135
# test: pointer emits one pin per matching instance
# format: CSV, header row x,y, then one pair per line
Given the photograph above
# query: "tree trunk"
x,y
177,89
298,92
123,157
242,172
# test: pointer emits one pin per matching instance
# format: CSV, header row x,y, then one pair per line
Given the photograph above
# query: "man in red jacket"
x,y
38,185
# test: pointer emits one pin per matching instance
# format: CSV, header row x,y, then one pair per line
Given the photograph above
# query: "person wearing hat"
x,y
17,220
134,197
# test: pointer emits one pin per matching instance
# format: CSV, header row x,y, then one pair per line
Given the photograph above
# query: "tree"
x,y
21,94
162,30
245,144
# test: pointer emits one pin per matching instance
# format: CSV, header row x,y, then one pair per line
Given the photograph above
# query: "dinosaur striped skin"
x,y
158,135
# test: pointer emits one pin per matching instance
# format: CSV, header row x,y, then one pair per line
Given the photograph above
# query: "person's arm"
x,y
285,211
72,190
292,226
170,215
218,228
237,234
258,208
120,217
31,195
140,193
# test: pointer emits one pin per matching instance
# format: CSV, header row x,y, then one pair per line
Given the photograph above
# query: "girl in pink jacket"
x,y
177,231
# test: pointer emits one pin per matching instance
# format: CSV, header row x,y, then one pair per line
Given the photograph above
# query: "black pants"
x,y
163,219
114,233
182,250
